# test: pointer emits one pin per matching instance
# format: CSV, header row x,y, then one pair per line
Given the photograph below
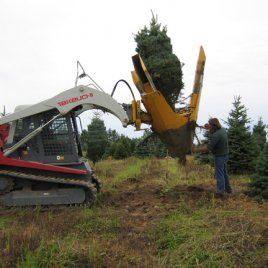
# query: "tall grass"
x,y
114,172
214,234
98,222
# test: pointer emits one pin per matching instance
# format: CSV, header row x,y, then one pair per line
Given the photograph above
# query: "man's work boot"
x,y
228,190
219,195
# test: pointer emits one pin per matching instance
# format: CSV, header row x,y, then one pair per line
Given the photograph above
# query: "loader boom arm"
x,y
80,99
77,100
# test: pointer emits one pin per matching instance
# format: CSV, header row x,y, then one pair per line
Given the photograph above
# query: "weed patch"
x,y
98,222
210,237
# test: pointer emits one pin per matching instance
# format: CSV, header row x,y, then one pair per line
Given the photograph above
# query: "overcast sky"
x,y
41,40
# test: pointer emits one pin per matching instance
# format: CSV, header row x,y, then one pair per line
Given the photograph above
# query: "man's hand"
x,y
194,150
206,126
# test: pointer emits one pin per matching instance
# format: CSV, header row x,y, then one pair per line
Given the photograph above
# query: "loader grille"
x,y
55,138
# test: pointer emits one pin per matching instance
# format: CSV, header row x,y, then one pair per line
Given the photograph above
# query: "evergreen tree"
x,y
259,183
259,138
256,150
165,68
96,139
119,147
124,148
241,146
259,133
120,152
112,135
142,148
150,145
83,139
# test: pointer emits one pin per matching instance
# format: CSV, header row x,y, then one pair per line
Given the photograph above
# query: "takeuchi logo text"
x,y
75,99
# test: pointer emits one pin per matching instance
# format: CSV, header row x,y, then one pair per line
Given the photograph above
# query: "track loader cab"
x,y
58,143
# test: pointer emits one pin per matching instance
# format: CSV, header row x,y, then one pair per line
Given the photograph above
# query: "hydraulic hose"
x,y
122,80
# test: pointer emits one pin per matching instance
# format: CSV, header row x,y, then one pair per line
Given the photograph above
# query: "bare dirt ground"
x,y
141,206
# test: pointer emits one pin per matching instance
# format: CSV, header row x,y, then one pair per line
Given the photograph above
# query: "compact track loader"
x,y
41,161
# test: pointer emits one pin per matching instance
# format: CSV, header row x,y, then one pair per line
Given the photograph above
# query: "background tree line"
x,y
99,143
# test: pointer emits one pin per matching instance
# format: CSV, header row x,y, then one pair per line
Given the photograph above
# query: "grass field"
x,y
150,213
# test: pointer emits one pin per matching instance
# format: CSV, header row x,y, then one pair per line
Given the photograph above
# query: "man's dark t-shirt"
x,y
218,144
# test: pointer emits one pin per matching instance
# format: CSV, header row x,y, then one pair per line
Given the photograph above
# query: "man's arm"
x,y
201,149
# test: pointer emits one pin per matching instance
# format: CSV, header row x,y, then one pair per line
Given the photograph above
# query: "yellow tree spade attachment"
x,y
174,128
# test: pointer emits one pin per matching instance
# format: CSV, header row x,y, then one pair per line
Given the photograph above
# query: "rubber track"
x,y
14,174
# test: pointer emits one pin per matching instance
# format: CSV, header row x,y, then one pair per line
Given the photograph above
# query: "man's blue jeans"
x,y
223,184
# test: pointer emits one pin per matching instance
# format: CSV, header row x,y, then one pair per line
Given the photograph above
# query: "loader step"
x,y
51,197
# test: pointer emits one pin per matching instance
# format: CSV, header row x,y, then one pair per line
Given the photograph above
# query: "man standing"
x,y
218,145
